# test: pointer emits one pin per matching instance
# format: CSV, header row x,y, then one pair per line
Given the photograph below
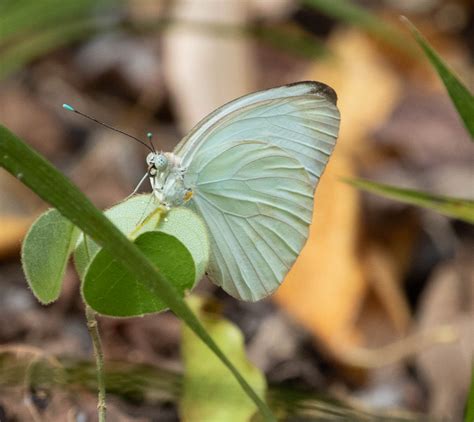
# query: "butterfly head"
x,y
157,163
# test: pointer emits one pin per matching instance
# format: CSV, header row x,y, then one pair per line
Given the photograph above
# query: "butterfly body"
x,y
166,174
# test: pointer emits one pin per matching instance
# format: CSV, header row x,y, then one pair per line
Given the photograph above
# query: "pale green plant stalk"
x,y
94,333
93,328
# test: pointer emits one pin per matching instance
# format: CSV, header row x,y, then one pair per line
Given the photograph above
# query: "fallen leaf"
x,y
446,369
325,288
13,231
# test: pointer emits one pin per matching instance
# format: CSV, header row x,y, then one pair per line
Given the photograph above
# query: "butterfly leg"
x,y
146,217
137,187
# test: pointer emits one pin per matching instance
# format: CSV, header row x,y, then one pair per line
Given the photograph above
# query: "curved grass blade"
x,y
469,416
358,16
23,52
462,209
49,184
462,99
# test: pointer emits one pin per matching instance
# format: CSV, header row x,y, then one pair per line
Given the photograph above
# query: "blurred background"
x,y
378,311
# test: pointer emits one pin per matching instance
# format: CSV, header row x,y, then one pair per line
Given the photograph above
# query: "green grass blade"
x,y
469,416
462,99
462,209
18,54
49,184
353,14
26,19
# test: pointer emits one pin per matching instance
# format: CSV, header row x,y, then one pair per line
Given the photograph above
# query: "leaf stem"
x,y
93,328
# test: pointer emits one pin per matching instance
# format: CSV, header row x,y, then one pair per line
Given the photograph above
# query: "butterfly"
x,y
250,169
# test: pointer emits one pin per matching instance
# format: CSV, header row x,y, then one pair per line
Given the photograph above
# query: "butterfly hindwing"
x,y
257,202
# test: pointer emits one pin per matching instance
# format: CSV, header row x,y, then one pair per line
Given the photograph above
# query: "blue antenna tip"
x,y
68,107
149,135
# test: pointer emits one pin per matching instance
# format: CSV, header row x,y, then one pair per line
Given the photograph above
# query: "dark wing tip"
x,y
320,89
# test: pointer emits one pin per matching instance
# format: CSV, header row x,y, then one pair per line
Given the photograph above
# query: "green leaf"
x,y
111,289
462,99
189,228
209,392
45,253
462,209
358,16
139,211
48,183
126,216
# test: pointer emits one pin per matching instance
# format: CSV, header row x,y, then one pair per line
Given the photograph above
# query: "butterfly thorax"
x,y
167,179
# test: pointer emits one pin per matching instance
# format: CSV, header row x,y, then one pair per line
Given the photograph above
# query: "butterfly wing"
x,y
300,118
253,166
257,202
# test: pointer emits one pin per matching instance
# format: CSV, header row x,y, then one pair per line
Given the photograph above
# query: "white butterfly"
x,y
250,169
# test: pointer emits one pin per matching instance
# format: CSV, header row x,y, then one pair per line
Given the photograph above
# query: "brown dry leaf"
x,y
446,369
13,230
325,288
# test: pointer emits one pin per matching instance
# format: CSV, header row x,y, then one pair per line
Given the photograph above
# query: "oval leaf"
x,y
111,289
137,215
126,215
210,393
189,228
45,253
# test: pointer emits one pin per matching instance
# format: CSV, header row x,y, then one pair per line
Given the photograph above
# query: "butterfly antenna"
x,y
149,136
70,108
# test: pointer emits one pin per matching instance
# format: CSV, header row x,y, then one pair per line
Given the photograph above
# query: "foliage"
x,y
45,253
469,416
206,383
462,209
30,29
347,11
462,99
48,183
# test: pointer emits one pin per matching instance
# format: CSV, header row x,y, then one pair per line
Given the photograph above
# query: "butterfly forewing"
x,y
300,118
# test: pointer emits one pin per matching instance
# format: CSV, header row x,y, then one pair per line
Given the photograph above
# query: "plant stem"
x,y
99,361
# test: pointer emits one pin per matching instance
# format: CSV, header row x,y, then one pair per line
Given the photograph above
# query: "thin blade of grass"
x,y
52,186
352,14
469,416
30,17
462,209
462,99
18,54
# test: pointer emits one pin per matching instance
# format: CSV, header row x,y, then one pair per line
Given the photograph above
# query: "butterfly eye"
x,y
160,162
